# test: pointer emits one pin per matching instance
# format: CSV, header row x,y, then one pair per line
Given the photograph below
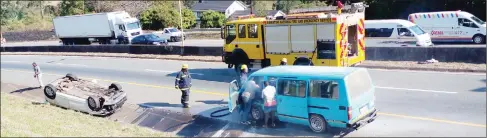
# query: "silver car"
x,y
85,96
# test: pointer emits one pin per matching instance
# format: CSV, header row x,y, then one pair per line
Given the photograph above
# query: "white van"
x,y
395,32
451,26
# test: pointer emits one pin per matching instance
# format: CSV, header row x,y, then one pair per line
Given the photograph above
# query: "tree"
x,y
163,14
260,7
71,7
212,19
189,3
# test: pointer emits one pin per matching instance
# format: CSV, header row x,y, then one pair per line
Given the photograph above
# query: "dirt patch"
x,y
409,65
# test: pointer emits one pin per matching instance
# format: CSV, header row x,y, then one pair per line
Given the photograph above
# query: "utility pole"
x,y
182,28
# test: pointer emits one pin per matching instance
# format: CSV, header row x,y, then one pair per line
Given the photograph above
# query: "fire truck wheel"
x,y
303,62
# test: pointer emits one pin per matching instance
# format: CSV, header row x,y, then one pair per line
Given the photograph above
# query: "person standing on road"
x,y
283,61
268,94
38,74
183,83
247,98
242,75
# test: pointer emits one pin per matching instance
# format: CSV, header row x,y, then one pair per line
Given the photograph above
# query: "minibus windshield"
x,y
416,30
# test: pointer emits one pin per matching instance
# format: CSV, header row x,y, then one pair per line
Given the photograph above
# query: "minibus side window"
x,y
295,88
324,89
378,32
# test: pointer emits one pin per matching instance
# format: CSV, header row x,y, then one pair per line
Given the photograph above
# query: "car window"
x,y
252,30
295,88
241,31
323,89
167,31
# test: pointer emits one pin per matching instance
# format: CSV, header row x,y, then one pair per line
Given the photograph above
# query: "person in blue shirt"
x,y
183,83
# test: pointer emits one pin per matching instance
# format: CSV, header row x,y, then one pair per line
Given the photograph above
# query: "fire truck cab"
x,y
327,36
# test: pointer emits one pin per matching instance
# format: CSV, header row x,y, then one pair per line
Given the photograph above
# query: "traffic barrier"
x,y
442,54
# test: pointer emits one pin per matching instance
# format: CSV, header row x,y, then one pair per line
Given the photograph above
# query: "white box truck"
x,y
105,28
451,26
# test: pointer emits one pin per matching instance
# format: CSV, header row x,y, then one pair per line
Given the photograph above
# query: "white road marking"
x,y
71,64
440,72
165,71
11,61
220,132
420,90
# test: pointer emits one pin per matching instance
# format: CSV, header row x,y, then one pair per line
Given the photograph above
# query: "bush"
x,y
212,19
164,15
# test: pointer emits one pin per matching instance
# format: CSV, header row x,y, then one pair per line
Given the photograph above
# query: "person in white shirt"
x,y
269,95
38,74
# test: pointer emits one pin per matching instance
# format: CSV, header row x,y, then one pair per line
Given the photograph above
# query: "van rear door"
x,y
360,93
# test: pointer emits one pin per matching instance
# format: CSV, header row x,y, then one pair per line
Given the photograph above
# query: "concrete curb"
x,y
212,60
423,69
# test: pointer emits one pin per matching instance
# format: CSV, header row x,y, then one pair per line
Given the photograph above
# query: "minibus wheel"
x,y
478,39
257,113
317,123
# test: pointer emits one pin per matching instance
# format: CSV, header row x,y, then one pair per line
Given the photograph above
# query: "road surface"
x,y
411,103
209,43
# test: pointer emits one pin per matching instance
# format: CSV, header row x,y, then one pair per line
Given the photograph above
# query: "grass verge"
x,y
21,118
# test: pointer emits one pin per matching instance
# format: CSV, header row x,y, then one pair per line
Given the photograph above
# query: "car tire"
x,y
50,91
317,123
72,77
115,86
257,113
93,103
303,62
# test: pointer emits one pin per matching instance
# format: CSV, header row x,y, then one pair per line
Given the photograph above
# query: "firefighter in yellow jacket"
x,y
183,83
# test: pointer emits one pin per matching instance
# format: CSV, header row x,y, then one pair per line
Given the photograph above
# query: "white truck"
x,y
105,28
451,26
172,34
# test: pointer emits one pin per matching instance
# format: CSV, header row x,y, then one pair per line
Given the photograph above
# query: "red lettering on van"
x,y
436,32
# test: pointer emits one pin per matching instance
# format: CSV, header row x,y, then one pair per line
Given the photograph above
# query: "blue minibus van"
x,y
317,96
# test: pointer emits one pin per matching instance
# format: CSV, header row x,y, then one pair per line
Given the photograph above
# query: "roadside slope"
x,y
22,118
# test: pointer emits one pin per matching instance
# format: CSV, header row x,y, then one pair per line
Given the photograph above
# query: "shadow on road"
x,y
25,89
481,89
454,43
218,102
154,104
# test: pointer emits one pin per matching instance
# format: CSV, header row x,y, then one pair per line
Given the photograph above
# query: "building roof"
x,y
213,5
247,12
307,71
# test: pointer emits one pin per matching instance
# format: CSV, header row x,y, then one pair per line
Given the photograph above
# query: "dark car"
x,y
149,39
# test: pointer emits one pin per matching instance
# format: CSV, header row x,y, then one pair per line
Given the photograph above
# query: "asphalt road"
x,y
411,103
209,43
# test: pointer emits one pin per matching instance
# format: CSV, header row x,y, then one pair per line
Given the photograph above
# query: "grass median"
x,y
21,118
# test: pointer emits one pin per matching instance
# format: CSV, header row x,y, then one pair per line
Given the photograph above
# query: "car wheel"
x,y
317,123
72,77
94,104
50,91
115,86
257,113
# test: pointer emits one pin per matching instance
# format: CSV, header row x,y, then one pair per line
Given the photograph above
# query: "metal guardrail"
x,y
442,54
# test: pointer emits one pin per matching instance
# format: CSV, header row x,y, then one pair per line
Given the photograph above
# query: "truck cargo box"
x,y
83,26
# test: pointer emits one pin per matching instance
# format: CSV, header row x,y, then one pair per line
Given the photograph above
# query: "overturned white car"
x,y
85,96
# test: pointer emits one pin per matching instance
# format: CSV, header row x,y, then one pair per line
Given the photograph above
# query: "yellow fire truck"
x,y
334,37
